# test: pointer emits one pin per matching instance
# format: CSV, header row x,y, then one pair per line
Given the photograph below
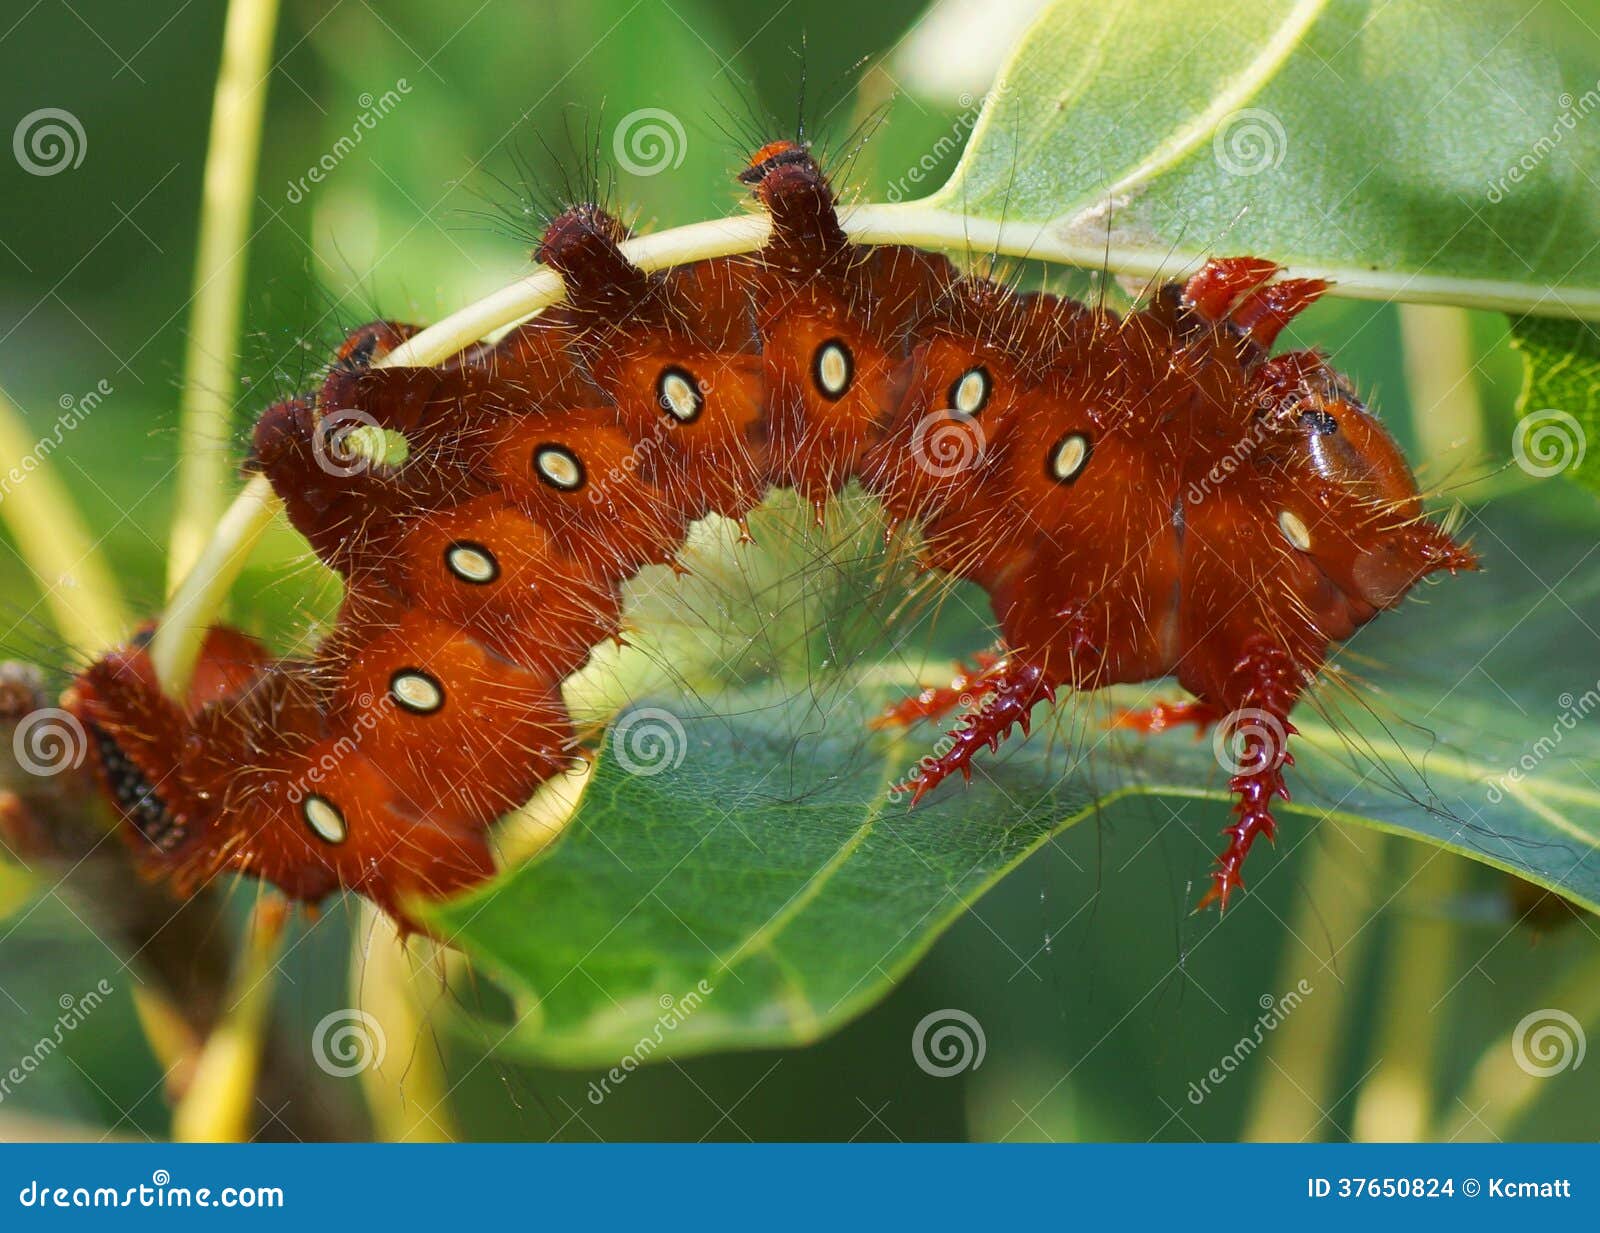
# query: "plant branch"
x,y
219,1104
206,406
85,602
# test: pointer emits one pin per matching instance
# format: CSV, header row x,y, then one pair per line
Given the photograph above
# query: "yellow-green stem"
x,y
218,1104
1294,1093
205,425
195,603
1516,1069
1396,1104
83,598
1446,409
405,1084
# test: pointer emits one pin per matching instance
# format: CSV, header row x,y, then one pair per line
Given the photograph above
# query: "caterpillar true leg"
x,y
1223,281
1256,750
1235,289
1256,787
1164,716
1263,313
1012,690
937,701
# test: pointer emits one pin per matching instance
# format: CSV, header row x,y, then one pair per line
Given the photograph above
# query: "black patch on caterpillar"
x,y
135,795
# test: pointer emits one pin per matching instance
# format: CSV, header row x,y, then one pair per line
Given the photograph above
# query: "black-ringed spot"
x,y
416,691
1294,530
1068,458
471,562
324,819
833,368
559,467
678,393
969,393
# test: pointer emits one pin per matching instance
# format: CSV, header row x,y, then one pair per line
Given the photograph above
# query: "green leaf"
x,y
736,876
1316,132
1560,400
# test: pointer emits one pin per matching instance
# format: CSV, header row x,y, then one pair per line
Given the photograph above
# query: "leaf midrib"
x,y
762,940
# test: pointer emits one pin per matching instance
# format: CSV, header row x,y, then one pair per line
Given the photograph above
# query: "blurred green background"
x,y
1099,1012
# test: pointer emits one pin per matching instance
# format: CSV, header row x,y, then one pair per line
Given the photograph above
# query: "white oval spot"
x,y
970,394
1294,530
679,394
559,467
324,819
1068,457
471,562
416,691
833,369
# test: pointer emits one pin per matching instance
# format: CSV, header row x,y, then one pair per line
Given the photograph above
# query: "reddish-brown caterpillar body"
x,y
1146,496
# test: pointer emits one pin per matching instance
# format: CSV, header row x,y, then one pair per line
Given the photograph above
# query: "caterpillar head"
x,y
1349,500
140,740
